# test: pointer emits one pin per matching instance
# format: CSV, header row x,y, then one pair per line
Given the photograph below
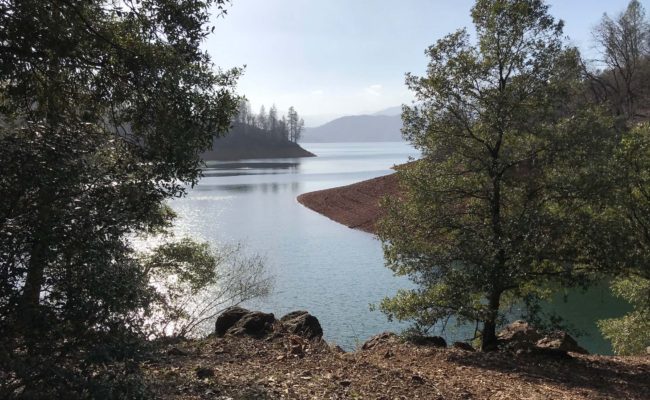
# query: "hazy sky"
x,y
343,57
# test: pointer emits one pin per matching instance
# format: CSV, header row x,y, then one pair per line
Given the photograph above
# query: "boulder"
x,y
237,321
384,337
519,334
228,319
303,324
255,323
560,340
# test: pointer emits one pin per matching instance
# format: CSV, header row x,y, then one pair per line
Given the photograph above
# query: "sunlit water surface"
x,y
318,265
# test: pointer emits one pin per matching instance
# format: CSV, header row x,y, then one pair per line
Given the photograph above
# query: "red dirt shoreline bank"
x,y
355,206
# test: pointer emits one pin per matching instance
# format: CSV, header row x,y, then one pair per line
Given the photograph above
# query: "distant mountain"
x,y
357,128
248,142
391,111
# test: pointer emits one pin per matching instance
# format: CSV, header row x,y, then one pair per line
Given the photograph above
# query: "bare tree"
x,y
624,43
194,283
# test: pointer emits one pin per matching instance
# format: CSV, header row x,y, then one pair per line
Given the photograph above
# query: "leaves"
x,y
106,107
510,153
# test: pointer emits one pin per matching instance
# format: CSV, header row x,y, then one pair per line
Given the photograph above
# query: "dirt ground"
x,y
292,368
355,206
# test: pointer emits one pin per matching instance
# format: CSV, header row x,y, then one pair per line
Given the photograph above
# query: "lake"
x,y
330,270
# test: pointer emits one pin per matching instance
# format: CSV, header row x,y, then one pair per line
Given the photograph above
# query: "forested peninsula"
x,y
262,135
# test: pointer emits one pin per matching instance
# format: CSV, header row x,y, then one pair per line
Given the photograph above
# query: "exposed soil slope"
x,y
244,368
356,205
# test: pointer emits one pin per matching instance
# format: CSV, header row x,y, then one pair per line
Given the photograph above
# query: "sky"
x,y
330,58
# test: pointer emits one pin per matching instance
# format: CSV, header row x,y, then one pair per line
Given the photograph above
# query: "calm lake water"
x,y
328,269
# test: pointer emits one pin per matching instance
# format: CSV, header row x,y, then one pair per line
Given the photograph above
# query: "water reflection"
x,y
326,268
263,187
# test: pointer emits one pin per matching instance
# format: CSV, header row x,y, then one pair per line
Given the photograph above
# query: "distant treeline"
x,y
288,126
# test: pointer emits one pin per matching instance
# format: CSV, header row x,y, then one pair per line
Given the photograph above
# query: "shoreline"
x,y
357,205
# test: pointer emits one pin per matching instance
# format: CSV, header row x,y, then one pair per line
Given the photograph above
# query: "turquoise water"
x,y
319,265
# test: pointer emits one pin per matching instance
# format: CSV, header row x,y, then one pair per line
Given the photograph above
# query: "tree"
x,y
244,113
273,119
105,109
630,334
284,129
301,127
487,213
628,207
625,45
295,124
262,119
195,283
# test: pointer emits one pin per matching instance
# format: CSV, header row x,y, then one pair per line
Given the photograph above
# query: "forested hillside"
x,y
247,142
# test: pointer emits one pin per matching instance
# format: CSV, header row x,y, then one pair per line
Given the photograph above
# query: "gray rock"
x,y
303,324
519,334
384,337
560,340
255,323
228,319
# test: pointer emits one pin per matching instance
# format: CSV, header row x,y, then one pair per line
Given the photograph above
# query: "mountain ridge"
x,y
357,128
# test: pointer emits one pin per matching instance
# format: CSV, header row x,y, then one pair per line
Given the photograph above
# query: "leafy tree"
x,y
630,334
105,109
488,212
627,212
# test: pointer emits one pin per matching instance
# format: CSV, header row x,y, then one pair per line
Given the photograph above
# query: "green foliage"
x,y
630,334
629,208
491,214
105,108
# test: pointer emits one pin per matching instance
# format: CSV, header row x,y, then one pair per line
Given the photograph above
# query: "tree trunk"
x,y
38,260
489,335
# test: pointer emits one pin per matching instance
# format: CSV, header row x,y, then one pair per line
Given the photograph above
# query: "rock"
x,y
519,334
433,341
463,346
560,340
647,350
203,373
303,324
254,323
383,337
228,319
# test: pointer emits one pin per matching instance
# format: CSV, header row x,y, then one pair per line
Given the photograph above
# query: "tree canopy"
x,y
510,153
105,108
